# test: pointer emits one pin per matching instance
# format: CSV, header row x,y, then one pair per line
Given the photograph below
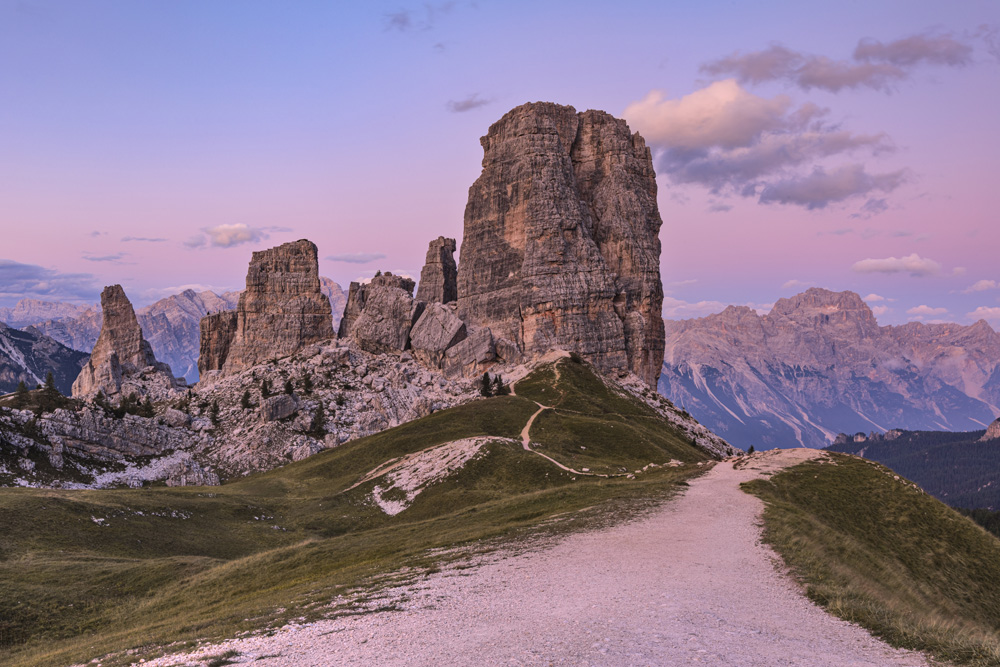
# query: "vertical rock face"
x,y
282,309
217,333
120,351
439,277
561,245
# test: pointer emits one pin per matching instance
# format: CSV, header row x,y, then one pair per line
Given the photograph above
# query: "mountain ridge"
x,y
819,364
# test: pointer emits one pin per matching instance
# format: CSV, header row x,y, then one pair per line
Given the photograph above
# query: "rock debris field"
x,y
689,583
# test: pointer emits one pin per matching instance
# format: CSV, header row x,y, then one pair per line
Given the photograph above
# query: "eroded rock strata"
x,y
561,245
439,277
121,353
282,309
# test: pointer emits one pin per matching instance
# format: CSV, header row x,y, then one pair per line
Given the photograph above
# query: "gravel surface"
x,y
689,583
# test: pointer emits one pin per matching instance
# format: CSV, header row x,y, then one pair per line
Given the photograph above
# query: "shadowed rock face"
x,y
561,245
120,351
438,278
282,309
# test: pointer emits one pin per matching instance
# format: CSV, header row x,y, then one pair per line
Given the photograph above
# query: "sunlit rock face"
x,y
561,243
282,309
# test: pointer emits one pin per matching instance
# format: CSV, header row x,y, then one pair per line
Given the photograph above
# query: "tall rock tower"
x,y
282,309
561,245
121,351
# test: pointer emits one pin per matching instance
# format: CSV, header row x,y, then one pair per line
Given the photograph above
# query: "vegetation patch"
x,y
118,574
874,549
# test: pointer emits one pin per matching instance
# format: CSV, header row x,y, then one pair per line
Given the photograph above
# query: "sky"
x,y
846,145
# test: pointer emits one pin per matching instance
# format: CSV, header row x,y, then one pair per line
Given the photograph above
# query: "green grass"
x,y
96,573
592,426
873,549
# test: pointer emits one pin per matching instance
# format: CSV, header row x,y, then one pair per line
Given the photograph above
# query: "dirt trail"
x,y
689,583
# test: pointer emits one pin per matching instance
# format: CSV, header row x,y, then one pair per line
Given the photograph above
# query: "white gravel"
x,y
690,583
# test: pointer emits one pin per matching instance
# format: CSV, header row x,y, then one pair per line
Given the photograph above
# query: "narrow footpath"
x,y
688,584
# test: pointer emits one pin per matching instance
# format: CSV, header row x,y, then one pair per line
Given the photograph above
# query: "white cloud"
x,y
734,142
981,286
723,114
880,310
914,264
227,236
927,311
356,257
795,284
873,298
985,313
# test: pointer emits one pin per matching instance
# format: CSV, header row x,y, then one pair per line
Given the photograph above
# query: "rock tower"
x,y
561,244
121,351
282,309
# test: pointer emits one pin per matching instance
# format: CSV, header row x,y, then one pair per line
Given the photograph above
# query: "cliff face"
x,y
121,350
818,364
561,247
282,309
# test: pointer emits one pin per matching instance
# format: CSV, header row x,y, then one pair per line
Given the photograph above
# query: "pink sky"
x,y
158,145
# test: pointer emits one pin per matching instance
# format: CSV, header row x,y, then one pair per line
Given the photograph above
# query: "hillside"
x,y
91,572
819,364
874,549
956,468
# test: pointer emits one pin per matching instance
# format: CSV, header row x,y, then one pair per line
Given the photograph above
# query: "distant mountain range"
x,y
171,325
28,356
819,364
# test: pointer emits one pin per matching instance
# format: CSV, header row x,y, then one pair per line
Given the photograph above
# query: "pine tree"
x,y
485,385
245,400
289,389
21,396
265,388
307,383
751,450
214,413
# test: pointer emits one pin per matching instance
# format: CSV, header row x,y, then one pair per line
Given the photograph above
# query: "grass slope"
x,y
91,573
874,549
593,427
953,467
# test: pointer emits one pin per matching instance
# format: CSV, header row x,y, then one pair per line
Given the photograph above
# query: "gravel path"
x,y
689,583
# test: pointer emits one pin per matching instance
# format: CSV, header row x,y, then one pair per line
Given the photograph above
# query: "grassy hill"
x,y
91,573
872,548
953,467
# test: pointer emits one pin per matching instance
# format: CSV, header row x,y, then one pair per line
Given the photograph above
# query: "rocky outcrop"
x,y
439,277
819,364
388,315
121,353
561,245
29,356
992,431
437,330
282,309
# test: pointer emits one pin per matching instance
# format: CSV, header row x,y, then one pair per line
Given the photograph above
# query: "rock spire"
x,y
438,279
561,243
282,309
121,351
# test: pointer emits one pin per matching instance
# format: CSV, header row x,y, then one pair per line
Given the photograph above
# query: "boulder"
x,y
279,407
471,355
437,330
